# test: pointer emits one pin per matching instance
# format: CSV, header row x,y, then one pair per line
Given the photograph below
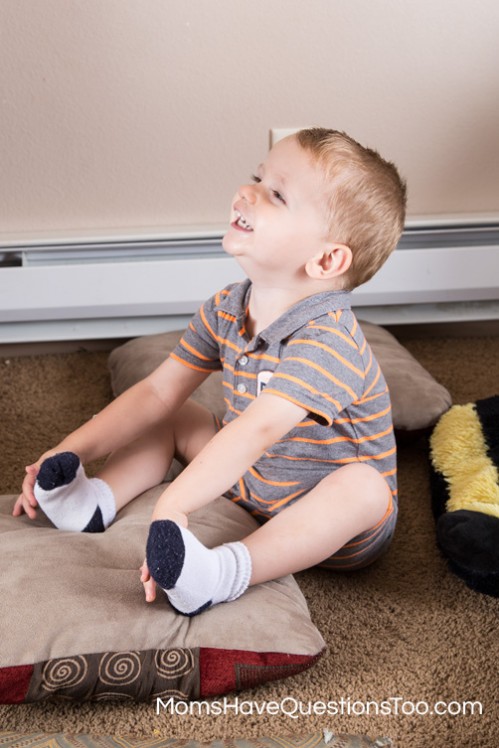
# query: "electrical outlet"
x,y
276,134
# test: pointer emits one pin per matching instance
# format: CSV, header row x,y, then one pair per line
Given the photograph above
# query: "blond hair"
x,y
366,199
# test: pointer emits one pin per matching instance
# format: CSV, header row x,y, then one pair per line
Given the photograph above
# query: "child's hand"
x,y
26,501
148,582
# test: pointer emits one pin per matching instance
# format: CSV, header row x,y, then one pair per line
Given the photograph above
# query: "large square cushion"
x,y
75,624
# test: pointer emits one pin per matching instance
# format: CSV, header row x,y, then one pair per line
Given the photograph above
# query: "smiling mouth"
x,y
241,223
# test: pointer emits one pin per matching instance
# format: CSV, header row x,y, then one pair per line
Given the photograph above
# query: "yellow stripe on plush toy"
x,y
459,453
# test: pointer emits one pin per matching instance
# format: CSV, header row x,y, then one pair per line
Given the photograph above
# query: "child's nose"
x,y
248,192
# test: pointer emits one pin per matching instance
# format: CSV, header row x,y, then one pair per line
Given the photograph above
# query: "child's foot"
x,y
71,500
195,577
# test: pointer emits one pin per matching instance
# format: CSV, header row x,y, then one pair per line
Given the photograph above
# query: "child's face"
x,y
278,222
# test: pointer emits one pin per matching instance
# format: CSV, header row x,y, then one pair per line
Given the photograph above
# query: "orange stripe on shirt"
x,y
247,395
260,477
375,529
306,386
325,373
372,385
275,503
372,397
372,417
228,317
229,344
339,439
386,473
253,512
297,402
365,542
206,323
300,341
242,488
247,374
337,332
369,363
306,424
189,366
264,357
192,350
341,461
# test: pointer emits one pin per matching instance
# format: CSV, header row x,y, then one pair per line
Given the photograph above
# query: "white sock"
x,y
195,577
71,500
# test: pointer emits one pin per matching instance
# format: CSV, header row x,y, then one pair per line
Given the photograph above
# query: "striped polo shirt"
x,y
314,355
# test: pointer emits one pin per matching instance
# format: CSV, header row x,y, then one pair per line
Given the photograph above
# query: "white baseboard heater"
x,y
115,286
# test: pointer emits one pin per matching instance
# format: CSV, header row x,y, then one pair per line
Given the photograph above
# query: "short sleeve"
x,y
322,372
198,348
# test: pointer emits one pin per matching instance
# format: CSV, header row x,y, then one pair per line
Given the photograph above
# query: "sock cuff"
x,y
244,568
106,501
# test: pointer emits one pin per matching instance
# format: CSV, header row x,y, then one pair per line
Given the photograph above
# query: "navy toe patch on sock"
x,y
58,470
165,553
96,524
194,612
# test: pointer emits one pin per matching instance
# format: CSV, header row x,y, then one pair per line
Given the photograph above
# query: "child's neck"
x,y
268,304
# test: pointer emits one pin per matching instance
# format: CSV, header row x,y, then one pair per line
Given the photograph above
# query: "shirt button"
x,y
243,360
242,388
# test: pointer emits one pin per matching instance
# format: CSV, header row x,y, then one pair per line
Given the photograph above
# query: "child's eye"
x,y
274,193
278,196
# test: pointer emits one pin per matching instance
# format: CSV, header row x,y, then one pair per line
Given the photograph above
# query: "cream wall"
x,y
126,113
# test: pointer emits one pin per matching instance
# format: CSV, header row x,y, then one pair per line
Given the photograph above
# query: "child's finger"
x,y
30,511
148,583
18,507
28,494
21,506
150,590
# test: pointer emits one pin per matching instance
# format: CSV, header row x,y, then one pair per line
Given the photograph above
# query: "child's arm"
x,y
228,455
137,409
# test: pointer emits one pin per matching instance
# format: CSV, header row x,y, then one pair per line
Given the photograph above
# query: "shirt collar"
x,y
297,316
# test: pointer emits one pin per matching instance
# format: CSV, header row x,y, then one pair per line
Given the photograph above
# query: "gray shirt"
x,y
315,355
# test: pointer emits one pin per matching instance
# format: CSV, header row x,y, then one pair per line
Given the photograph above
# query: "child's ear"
x,y
334,261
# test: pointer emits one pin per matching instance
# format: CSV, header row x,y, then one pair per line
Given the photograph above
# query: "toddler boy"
x,y
306,444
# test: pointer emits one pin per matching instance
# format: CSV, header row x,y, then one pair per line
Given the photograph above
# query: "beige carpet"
x,y
405,628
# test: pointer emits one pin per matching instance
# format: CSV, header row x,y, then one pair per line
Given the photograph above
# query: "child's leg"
x,y
343,505
145,462
72,501
347,503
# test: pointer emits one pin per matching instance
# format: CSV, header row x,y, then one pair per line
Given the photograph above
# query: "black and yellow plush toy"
x,y
464,457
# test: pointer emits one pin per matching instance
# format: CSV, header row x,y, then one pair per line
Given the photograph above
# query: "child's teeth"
x,y
242,222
